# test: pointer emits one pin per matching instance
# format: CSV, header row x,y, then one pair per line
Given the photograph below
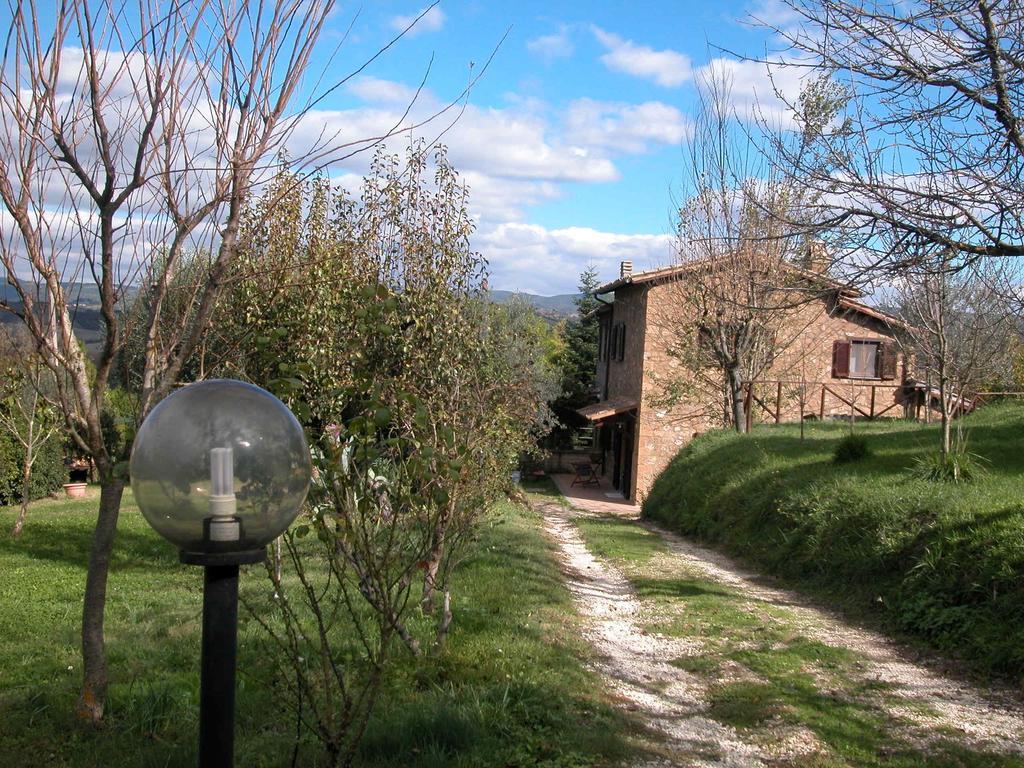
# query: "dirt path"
x,y
918,714
633,659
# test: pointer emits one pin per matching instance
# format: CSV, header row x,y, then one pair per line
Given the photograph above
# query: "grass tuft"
x,y
954,467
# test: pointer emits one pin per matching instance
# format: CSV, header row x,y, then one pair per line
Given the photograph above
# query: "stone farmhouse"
x,y
840,360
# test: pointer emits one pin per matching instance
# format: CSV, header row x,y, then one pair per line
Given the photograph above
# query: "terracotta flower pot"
x,y
75,490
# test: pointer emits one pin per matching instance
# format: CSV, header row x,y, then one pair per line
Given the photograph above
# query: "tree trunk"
x,y
433,564
94,658
26,487
946,437
736,394
446,622
944,399
433,560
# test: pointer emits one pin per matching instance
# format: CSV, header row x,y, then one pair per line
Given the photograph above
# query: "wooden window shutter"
x,y
887,360
840,359
622,342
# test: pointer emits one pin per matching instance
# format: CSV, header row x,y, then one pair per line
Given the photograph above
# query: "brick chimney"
x,y
816,257
625,269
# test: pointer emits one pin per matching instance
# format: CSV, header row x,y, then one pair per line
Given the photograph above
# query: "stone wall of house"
x,y
663,427
624,377
804,367
806,343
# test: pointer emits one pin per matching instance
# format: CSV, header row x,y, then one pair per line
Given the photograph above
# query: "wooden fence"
x,y
770,397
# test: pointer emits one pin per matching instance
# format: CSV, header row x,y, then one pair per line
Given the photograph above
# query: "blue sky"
x,y
572,141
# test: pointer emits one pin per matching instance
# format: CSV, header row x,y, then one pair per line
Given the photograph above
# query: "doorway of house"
x,y
625,487
616,454
622,456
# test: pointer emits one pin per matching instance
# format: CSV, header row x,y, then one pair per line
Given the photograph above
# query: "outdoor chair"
x,y
585,474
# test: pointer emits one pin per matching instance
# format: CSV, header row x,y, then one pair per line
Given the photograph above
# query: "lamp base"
x,y
246,557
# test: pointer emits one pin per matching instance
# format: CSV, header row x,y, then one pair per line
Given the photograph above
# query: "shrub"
x,y
117,419
10,470
49,472
957,466
851,448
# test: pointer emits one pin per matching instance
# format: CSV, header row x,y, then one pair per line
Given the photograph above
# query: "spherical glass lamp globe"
x,y
219,467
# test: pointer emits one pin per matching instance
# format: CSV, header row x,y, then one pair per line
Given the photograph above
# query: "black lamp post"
x,y
220,469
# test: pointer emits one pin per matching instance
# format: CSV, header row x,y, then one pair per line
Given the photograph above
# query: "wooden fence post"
x,y
778,403
872,408
821,411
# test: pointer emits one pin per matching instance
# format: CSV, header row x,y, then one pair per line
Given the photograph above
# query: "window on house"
x,y
864,359
617,342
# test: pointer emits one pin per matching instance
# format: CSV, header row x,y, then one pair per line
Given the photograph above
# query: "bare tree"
x,y
960,327
745,263
930,155
129,141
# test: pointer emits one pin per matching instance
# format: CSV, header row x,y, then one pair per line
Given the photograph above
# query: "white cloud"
x,y
432,21
514,158
667,68
625,127
492,198
756,88
555,46
532,258
773,13
514,145
510,143
378,91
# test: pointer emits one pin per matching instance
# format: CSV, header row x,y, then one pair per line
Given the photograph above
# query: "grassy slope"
x,y
767,679
510,691
936,561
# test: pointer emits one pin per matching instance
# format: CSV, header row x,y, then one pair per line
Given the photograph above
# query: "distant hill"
x,y
84,299
556,307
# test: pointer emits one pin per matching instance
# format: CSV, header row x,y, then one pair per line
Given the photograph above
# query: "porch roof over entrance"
x,y
607,408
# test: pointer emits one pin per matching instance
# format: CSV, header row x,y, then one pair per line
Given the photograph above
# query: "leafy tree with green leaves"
x,y
578,359
368,317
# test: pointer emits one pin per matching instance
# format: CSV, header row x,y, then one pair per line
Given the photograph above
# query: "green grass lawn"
x,y
935,561
510,690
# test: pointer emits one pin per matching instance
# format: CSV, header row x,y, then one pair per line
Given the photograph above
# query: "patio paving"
x,y
599,499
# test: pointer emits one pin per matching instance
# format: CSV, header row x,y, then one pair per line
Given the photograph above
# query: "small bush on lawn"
x,y
955,467
851,448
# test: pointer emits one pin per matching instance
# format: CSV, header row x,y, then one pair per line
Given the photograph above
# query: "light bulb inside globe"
x,y
222,525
